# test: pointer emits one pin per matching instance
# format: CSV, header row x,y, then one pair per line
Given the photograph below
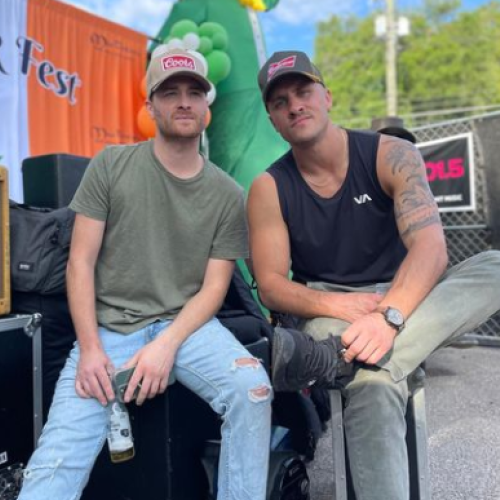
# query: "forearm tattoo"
x,y
414,207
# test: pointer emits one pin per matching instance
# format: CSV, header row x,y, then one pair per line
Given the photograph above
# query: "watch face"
x,y
394,317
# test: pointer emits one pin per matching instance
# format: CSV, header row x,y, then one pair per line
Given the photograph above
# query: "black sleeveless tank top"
x,y
349,239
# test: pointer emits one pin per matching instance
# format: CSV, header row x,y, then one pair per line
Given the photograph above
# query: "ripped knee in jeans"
x,y
246,363
259,393
263,391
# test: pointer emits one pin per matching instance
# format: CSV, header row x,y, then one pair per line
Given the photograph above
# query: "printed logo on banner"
x,y
102,135
450,171
113,46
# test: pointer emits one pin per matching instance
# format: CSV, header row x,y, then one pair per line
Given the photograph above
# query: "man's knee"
x,y
322,328
251,379
490,259
375,389
487,263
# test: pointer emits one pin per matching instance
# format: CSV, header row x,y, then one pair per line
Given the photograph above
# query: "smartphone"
x,y
122,377
120,381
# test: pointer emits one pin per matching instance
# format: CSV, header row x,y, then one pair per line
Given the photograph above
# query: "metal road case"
x,y
21,396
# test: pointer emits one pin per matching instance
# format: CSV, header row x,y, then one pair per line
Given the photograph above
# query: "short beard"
x,y
169,133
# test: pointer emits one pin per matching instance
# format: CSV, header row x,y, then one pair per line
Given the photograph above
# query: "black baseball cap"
x,y
286,63
392,125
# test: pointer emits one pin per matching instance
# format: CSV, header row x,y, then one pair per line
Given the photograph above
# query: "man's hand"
x,y
153,364
92,377
352,306
368,339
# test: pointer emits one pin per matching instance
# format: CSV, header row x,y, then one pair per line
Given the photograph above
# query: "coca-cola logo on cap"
x,y
174,62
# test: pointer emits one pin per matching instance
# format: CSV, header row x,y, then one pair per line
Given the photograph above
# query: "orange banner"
x,y
84,76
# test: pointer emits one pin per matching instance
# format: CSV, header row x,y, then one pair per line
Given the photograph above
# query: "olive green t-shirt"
x,y
160,232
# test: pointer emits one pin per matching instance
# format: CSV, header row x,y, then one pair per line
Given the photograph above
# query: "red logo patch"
x,y
288,62
173,62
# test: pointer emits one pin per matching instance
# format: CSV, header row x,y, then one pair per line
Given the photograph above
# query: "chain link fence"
x,y
467,233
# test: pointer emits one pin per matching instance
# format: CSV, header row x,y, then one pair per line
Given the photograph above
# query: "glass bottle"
x,y
120,441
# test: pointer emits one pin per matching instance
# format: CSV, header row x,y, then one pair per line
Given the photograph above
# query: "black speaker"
x,y
50,181
169,434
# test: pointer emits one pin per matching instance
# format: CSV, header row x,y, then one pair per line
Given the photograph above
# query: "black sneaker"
x,y
299,361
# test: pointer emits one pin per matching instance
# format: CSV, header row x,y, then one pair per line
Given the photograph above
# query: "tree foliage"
x,y
450,61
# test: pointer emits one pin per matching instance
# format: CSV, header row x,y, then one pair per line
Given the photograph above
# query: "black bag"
x,y
241,314
39,248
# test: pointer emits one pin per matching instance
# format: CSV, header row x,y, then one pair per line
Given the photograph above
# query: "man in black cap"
x,y
350,213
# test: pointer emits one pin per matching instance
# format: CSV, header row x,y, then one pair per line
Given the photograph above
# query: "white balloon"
x,y
161,49
191,41
211,94
201,57
175,43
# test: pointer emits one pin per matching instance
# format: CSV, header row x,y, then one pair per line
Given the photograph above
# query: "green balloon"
x,y
220,40
206,45
183,27
209,29
219,66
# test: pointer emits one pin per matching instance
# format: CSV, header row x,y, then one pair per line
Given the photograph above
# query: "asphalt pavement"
x,y
462,392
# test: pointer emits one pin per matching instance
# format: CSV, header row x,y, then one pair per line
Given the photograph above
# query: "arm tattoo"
x,y
414,207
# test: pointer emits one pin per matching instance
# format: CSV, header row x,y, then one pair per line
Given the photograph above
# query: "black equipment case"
x,y
20,402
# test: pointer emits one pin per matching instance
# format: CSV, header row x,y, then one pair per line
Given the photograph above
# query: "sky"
x,y
290,25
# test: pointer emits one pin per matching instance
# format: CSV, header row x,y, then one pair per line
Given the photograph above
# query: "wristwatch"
x,y
393,317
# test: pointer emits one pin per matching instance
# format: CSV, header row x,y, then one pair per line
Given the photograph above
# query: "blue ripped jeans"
x,y
211,363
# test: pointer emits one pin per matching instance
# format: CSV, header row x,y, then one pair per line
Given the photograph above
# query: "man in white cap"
x,y
157,232
351,214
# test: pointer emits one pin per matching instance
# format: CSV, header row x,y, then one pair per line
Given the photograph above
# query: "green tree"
x,y
450,61
438,11
352,63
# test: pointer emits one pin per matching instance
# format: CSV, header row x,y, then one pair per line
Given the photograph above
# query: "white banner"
x,y
14,139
